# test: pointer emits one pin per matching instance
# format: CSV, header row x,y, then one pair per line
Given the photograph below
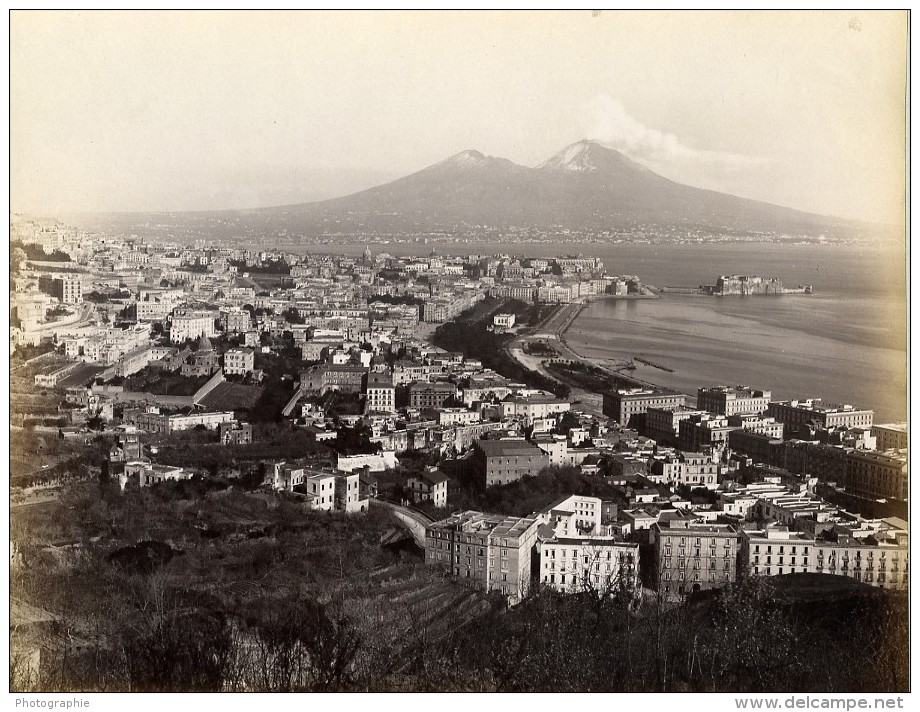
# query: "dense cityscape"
x,y
253,469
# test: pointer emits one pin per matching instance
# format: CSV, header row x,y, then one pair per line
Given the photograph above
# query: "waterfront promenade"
x,y
550,335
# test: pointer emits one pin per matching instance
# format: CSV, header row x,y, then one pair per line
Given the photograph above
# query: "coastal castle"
x,y
745,285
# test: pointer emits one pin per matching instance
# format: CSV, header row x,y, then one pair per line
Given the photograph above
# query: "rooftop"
x,y
593,541
492,524
816,405
501,448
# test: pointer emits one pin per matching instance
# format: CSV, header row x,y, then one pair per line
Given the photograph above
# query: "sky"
x,y
169,111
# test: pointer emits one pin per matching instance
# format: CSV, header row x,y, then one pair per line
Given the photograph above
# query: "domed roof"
x,y
204,344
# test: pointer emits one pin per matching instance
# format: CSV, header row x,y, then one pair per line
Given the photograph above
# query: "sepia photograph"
x,y
459,352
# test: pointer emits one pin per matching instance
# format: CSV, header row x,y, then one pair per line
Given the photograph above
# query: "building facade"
x,y
429,486
431,395
877,475
797,413
622,405
596,565
239,361
723,400
491,552
499,462
882,561
693,557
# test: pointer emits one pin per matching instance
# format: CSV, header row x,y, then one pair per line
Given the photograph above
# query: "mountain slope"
x,y
584,186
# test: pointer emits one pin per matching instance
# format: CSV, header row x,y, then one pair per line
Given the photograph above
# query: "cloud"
x,y
608,122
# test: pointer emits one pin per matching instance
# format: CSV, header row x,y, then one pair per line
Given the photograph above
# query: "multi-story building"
x,y
826,462
723,400
491,552
522,292
128,445
890,436
233,432
796,414
346,379
877,475
740,501
155,305
239,361
503,321
596,565
192,324
761,448
327,490
431,395
622,405
152,421
754,423
379,394
67,289
663,424
321,489
407,372
704,431
458,416
692,557
146,473
429,485
691,469
800,511
574,516
314,349
881,560
533,407
499,462
238,321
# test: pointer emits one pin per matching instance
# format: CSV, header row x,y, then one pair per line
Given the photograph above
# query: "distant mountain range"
x,y
585,187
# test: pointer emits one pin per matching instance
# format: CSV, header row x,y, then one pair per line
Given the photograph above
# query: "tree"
x,y
293,316
303,645
172,646
104,476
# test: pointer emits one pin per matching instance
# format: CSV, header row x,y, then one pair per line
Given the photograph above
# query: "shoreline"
x,y
796,376
600,363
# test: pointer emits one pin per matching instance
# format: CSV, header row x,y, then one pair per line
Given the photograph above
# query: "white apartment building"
x,y
327,490
188,324
239,361
380,394
598,565
573,516
152,421
882,561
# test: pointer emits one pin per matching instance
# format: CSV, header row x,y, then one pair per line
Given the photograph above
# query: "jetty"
x,y
653,364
